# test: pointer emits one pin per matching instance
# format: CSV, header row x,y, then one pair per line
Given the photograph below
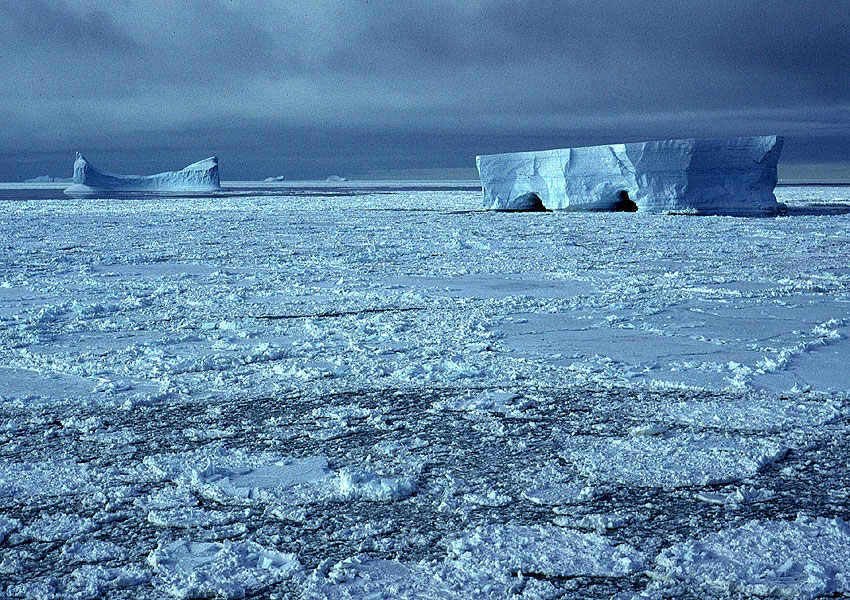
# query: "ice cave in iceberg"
x,y
201,176
732,176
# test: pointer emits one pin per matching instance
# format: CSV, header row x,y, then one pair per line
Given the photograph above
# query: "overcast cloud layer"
x,y
306,89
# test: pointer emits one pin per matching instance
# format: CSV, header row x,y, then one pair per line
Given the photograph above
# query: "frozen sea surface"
x,y
338,390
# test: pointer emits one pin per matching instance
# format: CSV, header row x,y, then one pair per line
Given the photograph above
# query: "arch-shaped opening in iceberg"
x,y
529,201
624,203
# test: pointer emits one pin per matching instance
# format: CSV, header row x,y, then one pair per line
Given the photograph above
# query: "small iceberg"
x,y
201,176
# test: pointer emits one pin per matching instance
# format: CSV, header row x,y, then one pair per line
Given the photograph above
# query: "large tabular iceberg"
x,y
734,176
201,176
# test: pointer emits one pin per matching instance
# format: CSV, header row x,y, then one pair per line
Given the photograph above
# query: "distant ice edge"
x,y
201,176
732,176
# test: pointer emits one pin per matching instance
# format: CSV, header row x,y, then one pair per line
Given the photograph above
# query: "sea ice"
x,y
801,559
742,495
189,517
753,413
60,526
524,347
48,179
556,494
594,522
86,582
490,401
187,569
483,563
360,484
387,580
92,550
243,478
92,581
7,526
679,460
546,550
269,481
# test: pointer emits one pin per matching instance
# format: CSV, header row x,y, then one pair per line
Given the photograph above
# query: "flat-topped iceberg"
x,y
201,176
48,179
734,176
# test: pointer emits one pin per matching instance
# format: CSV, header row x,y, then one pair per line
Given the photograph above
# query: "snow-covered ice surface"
x,y
331,391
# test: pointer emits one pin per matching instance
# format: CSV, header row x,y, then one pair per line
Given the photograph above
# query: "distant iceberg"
x,y
734,176
48,179
201,176
275,179
336,178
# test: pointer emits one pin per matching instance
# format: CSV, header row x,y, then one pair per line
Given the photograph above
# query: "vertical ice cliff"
x,y
201,176
734,176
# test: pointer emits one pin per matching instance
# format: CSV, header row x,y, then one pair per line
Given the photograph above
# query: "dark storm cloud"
x,y
627,56
307,88
42,24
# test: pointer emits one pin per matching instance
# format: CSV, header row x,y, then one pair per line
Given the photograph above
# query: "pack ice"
x,y
201,176
734,176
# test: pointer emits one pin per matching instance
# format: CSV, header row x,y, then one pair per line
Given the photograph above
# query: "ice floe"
x,y
556,494
484,563
801,559
753,413
242,478
58,526
7,526
188,569
359,484
678,460
545,550
92,550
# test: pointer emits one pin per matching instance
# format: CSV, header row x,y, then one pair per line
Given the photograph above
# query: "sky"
x,y
411,88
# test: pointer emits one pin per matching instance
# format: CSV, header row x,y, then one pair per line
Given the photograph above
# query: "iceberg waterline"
x,y
200,176
723,176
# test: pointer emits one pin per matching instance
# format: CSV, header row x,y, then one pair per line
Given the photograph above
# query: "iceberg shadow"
x,y
818,210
